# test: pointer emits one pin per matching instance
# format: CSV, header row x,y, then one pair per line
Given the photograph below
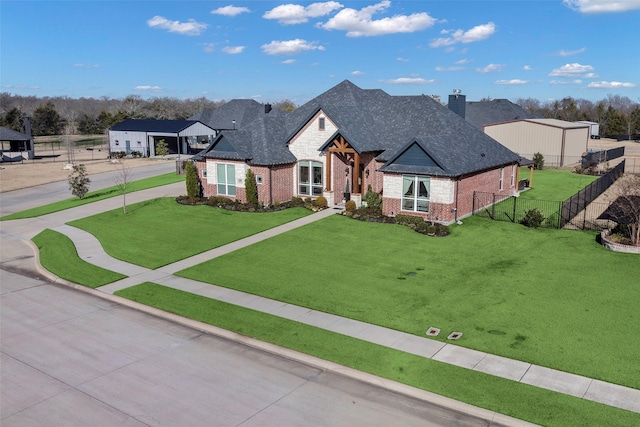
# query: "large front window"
x,y
415,193
310,178
226,179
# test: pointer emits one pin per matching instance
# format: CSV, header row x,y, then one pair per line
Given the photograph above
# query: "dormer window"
x,y
321,123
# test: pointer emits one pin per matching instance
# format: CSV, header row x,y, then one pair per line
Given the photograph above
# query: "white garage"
x,y
141,136
561,143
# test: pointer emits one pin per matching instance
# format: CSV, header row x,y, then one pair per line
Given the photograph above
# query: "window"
x,y
415,193
501,177
258,179
513,174
226,179
310,178
321,123
204,173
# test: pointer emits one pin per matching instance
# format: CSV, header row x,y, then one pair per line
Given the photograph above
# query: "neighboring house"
x,y
421,157
15,146
560,142
482,113
143,135
234,114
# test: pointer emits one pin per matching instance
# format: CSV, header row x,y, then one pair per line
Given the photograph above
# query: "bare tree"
x,y
122,179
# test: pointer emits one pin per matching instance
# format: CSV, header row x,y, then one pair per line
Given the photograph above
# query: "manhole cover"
x,y
411,273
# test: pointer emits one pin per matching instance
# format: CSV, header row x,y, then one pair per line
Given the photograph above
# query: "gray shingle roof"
x,y
7,134
243,111
151,125
481,113
374,121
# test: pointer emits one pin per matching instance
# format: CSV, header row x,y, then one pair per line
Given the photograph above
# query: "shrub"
x,y
533,218
350,206
538,161
373,199
219,201
162,148
320,202
297,201
136,154
191,179
118,154
251,188
409,219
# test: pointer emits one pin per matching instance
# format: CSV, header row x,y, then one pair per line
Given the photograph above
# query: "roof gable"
x,y
7,134
414,158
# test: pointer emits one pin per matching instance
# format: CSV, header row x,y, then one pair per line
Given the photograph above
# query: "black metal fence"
x,y
602,156
579,201
577,212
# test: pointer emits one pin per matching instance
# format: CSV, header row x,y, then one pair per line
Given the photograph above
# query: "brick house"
x,y
421,157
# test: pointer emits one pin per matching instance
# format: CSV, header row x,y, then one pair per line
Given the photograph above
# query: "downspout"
x,y
455,219
270,185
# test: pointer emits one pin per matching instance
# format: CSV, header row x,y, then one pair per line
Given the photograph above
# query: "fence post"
x,y
515,201
493,207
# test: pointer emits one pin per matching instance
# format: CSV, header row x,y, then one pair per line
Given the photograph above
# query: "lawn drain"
x,y
411,274
495,332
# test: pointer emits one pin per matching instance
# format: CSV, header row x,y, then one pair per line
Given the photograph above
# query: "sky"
x,y
271,51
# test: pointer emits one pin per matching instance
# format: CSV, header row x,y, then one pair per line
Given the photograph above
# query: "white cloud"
x,y
565,82
610,85
408,80
357,73
289,14
290,47
591,76
21,86
512,82
477,33
80,65
527,68
454,68
189,28
602,6
230,10
571,52
571,70
147,88
233,50
359,23
401,59
288,61
490,68
209,47
462,61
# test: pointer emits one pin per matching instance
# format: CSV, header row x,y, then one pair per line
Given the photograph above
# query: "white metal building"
x,y
560,142
142,136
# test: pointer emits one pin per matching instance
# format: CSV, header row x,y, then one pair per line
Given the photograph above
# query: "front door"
x,y
128,147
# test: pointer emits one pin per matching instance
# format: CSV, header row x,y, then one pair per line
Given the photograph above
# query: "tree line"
x,y
617,115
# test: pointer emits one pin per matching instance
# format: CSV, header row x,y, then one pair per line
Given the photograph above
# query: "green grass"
x,y
555,184
555,298
522,401
94,196
59,256
160,231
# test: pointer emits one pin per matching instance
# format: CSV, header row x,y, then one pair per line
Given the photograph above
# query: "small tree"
x,y
121,179
251,187
162,148
538,161
79,181
628,205
193,186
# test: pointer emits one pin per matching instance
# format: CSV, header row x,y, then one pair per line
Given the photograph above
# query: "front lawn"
x,y
521,401
555,298
160,231
58,255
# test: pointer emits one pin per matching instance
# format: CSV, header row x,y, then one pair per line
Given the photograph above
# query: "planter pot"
x,y
347,196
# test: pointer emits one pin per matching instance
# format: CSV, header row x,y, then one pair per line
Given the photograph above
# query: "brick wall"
x,y
441,207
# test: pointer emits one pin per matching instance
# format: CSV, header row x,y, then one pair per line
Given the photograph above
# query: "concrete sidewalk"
x,y
90,250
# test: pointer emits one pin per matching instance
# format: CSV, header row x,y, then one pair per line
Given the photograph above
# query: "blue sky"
x,y
270,51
